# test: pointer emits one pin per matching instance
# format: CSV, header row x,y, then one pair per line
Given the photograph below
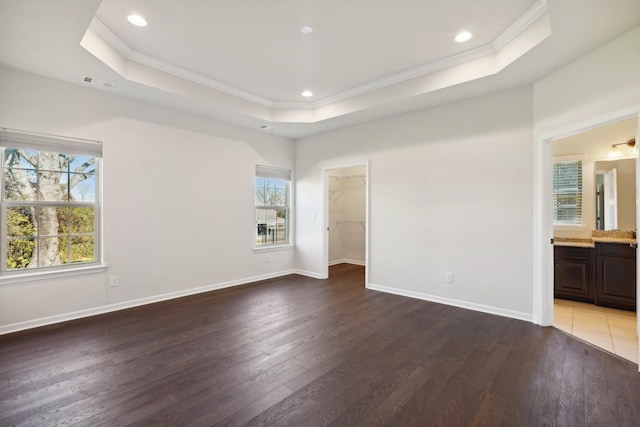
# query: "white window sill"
x,y
268,248
22,277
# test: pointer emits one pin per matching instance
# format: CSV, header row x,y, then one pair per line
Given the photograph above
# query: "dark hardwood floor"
x,y
302,352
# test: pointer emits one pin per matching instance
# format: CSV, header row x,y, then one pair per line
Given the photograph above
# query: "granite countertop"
x,y
598,236
576,243
624,240
614,236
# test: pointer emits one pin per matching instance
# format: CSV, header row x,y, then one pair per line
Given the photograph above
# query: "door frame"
x,y
543,212
325,214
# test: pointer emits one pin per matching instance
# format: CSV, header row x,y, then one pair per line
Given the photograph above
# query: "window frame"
x,y
569,159
10,138
282,174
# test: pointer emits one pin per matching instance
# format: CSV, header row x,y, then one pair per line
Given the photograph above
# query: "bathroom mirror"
x,y
615,194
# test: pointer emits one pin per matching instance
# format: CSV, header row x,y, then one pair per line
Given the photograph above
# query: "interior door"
x,y
611,200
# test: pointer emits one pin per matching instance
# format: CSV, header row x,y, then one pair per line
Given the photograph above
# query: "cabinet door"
x,y
616,284
572,279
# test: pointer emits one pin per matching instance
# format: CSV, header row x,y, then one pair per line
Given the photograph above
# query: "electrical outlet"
x,y
114,281
448,277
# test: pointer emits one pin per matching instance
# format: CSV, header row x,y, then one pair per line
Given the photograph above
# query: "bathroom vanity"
x,y
601,271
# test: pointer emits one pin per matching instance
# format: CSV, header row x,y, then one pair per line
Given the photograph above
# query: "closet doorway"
x,y
346,213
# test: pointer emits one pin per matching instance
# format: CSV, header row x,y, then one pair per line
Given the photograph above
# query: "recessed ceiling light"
x,y
306,29
307,93
463,37
137,20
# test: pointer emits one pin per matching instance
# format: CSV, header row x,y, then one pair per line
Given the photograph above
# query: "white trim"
x,y
422,70
309,274
347,261
575,128
542,232
454,302
269,248
636,153
532,14
44,321
528,18
31,276
132,55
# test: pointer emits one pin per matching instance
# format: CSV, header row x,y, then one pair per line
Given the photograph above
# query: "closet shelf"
x,y
343,177
336,188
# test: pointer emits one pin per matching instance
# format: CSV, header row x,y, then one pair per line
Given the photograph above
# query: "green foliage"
x,y
76,248
19,224
19,253
71,249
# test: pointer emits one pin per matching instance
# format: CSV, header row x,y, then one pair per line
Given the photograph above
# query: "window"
x,y
272,197
567,192
50,203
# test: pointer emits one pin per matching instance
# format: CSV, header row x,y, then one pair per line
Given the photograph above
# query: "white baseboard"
x,y
50,320
347,261
308,274
454,302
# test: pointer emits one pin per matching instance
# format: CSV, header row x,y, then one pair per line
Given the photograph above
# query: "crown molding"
x,y
531,15
412,73
521,24
293,105
132,55
299,111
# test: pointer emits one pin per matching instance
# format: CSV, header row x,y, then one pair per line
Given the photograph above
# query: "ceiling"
x,y
246,62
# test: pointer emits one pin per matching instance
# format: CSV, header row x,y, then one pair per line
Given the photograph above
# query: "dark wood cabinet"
x,y
604,275
616,276
574,273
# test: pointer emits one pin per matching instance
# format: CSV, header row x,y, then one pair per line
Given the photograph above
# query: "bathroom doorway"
x,y
594,215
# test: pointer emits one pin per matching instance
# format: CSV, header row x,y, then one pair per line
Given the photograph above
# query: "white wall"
x,y
450,190
601,87
603,84
178,199
347,215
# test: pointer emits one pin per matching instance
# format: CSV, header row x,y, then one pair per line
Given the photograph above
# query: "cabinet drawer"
x,y
616,249
571,252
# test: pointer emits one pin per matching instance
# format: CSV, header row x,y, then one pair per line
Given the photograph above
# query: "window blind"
x,y
274,173
52,144
567,192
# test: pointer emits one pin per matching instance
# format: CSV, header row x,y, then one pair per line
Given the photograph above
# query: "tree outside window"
x,y
50,205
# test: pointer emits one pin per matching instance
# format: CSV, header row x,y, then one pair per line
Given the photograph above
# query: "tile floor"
x,y
608,328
